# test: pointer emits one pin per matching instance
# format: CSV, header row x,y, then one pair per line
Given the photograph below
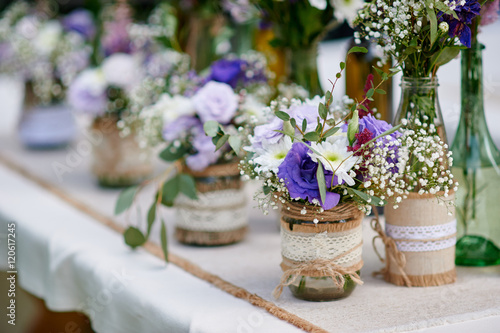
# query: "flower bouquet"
x,y
104,93
47,54
206,189
421,36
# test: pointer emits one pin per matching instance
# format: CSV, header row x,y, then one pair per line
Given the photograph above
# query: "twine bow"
x,y
324,267
391,251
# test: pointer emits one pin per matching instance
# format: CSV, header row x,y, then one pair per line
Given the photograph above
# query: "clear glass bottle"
x,y
476,167
419,104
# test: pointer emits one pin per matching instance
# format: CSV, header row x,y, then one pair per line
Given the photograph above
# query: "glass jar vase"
x,y
477,169
321,252
419,105
302,68
118,161
219,216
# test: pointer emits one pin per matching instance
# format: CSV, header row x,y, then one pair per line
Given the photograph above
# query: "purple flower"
x,y
489,12
87,93
206,154
308,112
179,127
116,38
460,27
299,174
228,71
376,127
216,101
267,133
82,22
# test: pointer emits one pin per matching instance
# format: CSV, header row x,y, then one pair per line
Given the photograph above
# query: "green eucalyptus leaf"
x,y
293,122
431,14
380,91
304,125
125,200
444,57
323,111
331,131
320,176
342,65
151,217
170,190
283,115
172,153
163,238
187,186
134,237
311,136
370,93
235,143
359,49
211,128
328,96
266,189
353,128
288,129
221,141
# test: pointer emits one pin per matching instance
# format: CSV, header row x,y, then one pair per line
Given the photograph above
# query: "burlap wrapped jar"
x,y
219,216
117,161
321,261
425,234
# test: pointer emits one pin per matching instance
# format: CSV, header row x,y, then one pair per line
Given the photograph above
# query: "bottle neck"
x,y
303,68
472,87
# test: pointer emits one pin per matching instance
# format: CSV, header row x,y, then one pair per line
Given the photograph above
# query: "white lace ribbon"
x,y
215,211
307,247
423,238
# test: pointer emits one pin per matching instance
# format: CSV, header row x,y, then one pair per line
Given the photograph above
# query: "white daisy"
x,y
273,155
334,156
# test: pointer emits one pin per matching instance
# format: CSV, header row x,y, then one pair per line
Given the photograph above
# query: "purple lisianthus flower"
x,y
305,111
87,93
206,154
116,38
460,28
267,133
376,127
228,71
80,21
298,171
180,127
216,101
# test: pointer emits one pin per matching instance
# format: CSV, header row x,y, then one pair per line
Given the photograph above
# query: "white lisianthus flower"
x,y
320,4
172,107
347,9
254,109
334,156
273,155
47,38
121,69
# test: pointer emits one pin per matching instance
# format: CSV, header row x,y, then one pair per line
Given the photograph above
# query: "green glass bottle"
x,y
477,169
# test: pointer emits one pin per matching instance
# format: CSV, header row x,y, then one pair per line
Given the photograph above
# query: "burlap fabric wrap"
x,y
117,161
425,235
330,248
219,216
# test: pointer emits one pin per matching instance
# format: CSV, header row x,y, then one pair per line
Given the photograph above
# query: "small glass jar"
x,y
117,161
332,241
219,216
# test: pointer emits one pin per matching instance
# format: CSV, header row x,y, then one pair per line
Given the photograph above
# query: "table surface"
x,y
73,262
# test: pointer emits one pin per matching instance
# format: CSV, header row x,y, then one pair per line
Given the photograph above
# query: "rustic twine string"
x,y
391,251
320,267
180,262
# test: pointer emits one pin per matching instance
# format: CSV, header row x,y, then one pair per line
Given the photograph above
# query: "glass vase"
x,y
219,215
477,169
419,105
117,161
302,69
333,242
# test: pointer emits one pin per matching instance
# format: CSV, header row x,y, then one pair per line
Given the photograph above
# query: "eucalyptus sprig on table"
x,y
167,192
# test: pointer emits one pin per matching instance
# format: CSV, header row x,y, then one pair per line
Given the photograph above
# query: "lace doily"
x,y
213,211
307,247
423,238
